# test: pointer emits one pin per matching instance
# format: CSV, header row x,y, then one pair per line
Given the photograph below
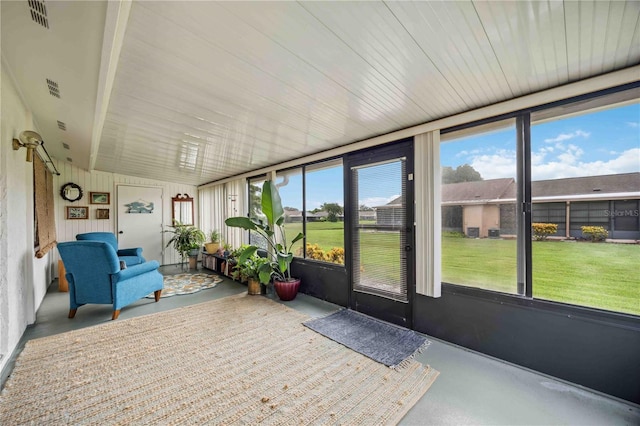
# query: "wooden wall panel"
x,y
96,181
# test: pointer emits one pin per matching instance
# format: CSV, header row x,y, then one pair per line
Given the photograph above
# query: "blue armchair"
x,y
130,256
95,276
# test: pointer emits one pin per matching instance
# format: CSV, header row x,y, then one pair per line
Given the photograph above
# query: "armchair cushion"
x,y
94,276
135,270
131,256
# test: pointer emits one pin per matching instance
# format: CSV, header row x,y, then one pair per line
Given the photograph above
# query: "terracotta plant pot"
x,y
193,262
253,287
287,290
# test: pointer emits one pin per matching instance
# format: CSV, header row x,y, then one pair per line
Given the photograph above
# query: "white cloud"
x,y
377,201
467,153
633,124
315,204
566,164
566,136
571,155
499,165
627,162
538,157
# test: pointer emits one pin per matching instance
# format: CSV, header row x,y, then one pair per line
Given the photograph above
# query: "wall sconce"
x,y
30,140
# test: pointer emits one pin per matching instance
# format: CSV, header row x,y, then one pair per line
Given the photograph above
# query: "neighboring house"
x,y
292,216
610,201
317,217
487,208
480,208
391,214
295,215
367,214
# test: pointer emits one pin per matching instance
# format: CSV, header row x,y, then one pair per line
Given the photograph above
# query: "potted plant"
x,y
214,242
250,270
279,254
186,239
233,263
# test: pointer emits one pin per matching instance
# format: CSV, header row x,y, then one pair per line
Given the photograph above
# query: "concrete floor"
x,y
471,389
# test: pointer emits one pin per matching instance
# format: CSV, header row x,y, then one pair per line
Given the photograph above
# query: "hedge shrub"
x,y
542,230
595,233
335,255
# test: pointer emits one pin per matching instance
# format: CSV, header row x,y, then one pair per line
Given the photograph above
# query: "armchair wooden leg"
x,y
72,313
157,294
115,315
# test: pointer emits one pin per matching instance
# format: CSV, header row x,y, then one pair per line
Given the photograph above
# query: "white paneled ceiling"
x,y
192,92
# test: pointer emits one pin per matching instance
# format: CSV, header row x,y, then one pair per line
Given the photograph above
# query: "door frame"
x,y
377,306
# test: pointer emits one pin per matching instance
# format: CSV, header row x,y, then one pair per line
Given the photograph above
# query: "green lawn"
x,y
326,234
600,275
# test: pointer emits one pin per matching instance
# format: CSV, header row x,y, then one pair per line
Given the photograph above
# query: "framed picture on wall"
x,y
99,197
77,212
102,214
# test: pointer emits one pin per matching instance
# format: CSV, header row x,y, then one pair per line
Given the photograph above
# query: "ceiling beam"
x,y
115,27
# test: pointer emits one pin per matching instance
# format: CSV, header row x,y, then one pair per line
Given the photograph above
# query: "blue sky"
x,y
605,142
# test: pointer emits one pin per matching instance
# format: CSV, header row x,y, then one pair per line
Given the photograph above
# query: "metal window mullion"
x,y
523,197
350,184
304,212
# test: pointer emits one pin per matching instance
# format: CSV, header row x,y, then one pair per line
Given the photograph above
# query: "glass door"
x,y
381,232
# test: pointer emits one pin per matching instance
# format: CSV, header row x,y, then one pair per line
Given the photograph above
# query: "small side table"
x,y
63,285
221,264
208,261
214,261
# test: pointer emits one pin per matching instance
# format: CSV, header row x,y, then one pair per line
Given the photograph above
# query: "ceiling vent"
x,y
65,145
54,90
61,124
69,159
39,12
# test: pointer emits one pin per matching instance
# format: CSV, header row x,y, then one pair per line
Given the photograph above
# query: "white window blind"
x,y
428,214
219,202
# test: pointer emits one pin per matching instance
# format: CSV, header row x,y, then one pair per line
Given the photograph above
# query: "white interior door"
x,y
140,219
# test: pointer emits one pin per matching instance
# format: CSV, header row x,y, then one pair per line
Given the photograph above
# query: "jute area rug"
x,y
238,360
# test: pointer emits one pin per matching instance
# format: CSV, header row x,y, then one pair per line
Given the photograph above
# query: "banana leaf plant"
x,y
278,251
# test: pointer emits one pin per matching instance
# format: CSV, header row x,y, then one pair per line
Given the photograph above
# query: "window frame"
x,y
304,206
303,168
525,214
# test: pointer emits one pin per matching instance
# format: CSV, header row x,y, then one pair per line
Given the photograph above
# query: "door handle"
x,y
120,232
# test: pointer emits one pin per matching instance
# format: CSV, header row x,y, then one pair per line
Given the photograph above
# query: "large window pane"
x,y
325,211
289,184
586,182
478,207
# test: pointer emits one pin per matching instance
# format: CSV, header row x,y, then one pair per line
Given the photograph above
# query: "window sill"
x,y
570,311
